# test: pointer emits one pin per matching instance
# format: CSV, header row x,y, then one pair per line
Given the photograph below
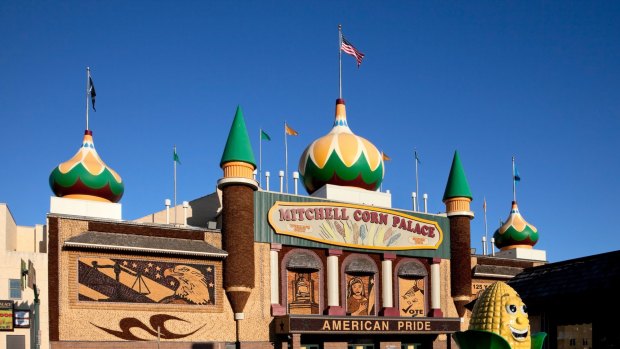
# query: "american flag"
x,y
91,91
350,49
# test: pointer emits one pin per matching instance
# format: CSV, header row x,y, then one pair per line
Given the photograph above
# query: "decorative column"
x,y
436,288
387,288
457,199
333,282
276,307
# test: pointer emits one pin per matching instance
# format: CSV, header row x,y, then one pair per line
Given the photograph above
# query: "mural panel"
x,y
145,281
303,292
411,297
360,295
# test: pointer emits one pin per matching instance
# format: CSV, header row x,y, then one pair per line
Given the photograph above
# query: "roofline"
x,y
571,261
498,276
143,249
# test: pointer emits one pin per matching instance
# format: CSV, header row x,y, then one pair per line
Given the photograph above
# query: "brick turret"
x,y
238,186
457,198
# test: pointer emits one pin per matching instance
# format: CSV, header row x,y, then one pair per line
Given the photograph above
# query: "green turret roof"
x,y
457,182
238,147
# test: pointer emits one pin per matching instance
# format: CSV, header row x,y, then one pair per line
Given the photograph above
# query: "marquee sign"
x,y
354,226
367,325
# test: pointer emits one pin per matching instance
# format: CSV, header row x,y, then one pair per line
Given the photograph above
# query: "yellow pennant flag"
x,y
289,131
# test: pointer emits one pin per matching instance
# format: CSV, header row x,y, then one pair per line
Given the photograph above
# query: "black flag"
x,y
91,91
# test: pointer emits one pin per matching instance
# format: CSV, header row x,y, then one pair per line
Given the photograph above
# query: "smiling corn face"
x,y
500,310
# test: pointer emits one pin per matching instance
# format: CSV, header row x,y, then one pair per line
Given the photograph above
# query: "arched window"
x,y
412,296
360,285
302,274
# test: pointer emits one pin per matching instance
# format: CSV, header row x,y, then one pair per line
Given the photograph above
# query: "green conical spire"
x,y
238,147
457,182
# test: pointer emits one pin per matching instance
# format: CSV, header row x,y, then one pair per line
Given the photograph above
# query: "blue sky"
x,y
536,80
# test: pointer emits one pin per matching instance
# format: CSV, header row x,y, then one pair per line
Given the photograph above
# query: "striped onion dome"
x,y
516,232
341,158
86,176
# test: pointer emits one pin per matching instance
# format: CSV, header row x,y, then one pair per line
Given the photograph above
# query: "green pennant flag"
x,y
264,135
175,157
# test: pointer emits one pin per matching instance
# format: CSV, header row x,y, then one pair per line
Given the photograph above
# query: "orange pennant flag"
x,y
289,131
385,157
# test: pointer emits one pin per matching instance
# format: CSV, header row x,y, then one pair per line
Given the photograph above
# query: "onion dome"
x,y
85,176
516,232
341,158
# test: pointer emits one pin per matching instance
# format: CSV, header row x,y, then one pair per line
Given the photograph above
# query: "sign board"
x,y
367,325
354,226
22,318
32,275
23,274
6,315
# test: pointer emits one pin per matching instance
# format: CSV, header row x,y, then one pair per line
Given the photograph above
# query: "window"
x,y
575,336
15,289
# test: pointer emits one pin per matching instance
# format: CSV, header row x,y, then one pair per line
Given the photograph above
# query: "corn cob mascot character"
x,y
499,321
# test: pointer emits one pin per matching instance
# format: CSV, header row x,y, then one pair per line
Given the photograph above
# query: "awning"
x,y
303,260
361,265
144,244
412,270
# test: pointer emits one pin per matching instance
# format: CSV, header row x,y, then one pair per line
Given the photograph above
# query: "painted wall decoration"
x,y
145,281
478,286
360,295
156,322
303,292
354,226
411,297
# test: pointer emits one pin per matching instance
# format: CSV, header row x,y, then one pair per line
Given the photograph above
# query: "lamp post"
x,y
35,317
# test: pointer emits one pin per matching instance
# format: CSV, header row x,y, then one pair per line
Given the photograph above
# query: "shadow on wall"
x,y
204,210
214,346
204,346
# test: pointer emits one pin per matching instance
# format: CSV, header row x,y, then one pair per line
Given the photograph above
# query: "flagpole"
x,y
175,186
87,92
260,154
340,61
381,186
417,190
486,227
285,158
514,182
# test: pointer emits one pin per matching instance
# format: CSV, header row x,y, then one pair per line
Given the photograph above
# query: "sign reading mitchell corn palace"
x,y
354,226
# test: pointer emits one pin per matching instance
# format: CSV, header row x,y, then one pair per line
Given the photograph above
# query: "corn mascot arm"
x,y
499,321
